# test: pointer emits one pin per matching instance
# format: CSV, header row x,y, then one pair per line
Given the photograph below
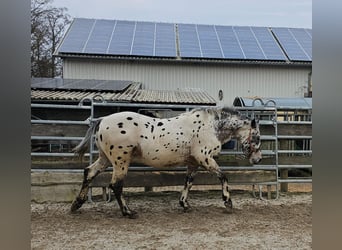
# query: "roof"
x,y
280,102
132,93
134,39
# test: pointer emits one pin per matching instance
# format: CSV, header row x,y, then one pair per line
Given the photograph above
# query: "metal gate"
x,y
266,113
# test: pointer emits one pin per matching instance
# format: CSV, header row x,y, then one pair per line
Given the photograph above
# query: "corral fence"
x,y
56,174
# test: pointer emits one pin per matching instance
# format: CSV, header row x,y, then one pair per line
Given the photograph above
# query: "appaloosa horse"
x,y
190,139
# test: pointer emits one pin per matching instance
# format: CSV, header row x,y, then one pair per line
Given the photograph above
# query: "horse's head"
x,y
231,124
249,136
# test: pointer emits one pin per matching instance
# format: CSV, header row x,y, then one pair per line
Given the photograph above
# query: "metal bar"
x,y
254,167
264,152
59,122
295,151
36,105
294,166
268,137
57,170
264,122
280,108
256,108
294,137
54,154
91,148
146,105
57,138
295,180
295,122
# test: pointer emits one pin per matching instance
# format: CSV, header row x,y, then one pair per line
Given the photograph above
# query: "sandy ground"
x,y
285,223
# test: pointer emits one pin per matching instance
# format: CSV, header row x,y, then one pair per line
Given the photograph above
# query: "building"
x,y
225,61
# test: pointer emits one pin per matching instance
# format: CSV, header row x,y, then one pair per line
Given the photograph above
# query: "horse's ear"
x,y
253,124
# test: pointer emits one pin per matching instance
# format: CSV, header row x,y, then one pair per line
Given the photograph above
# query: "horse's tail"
x,y
83,146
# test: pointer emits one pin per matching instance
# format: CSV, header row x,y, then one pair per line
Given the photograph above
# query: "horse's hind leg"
x,y
183,200
90,173
119,173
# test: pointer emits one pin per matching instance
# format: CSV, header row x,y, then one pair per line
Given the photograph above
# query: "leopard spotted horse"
x,y
191,139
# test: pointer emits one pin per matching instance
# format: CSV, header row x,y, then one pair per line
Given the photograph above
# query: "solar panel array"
x,y
79,84
297,43
152,39
112,37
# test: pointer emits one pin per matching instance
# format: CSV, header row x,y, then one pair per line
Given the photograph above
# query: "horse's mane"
x,y
219,112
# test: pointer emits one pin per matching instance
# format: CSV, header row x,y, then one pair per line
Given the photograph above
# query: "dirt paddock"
x,y
285,223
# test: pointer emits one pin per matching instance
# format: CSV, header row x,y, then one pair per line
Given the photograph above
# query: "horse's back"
x,y
119,130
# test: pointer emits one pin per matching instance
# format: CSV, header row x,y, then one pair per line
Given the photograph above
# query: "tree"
x,y
48,25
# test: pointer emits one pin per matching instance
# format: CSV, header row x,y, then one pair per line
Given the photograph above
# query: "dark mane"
x,y
220,112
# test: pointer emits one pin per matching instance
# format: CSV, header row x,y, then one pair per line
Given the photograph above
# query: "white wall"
x,y
234,80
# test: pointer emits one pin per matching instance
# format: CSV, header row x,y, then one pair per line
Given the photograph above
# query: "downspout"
x,y
309,94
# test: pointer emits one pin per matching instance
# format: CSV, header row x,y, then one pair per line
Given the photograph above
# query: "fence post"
x,y
284,174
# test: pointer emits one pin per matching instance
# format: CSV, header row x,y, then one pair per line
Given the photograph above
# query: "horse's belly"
x,y
161,160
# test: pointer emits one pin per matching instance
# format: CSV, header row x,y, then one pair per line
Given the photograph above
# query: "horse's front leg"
x,y
225,191
183,200
211,165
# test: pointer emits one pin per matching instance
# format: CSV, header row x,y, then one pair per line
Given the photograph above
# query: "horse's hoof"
x,y
74,208
131,214
76,204
229,206
186,209
185,205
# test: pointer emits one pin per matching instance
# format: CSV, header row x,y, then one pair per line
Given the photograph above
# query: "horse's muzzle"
x,y
255,157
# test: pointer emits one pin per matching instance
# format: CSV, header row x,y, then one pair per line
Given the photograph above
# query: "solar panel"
x,y
290,44
229,43
165,40
79,84
249,44
309,32
143,42
209,43
304,39
188,41
77,36
122,38
100,36
268,44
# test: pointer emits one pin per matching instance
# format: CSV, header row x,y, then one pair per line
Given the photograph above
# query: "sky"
x,y
268,13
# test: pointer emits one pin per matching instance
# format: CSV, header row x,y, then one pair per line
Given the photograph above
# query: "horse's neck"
x,y
224,136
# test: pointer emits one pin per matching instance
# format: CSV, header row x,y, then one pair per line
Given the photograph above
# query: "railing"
x,y
266,113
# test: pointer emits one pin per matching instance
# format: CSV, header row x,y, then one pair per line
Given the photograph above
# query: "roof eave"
x,y
184,60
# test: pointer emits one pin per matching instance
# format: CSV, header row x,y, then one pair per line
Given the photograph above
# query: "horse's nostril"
x,y
257,161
